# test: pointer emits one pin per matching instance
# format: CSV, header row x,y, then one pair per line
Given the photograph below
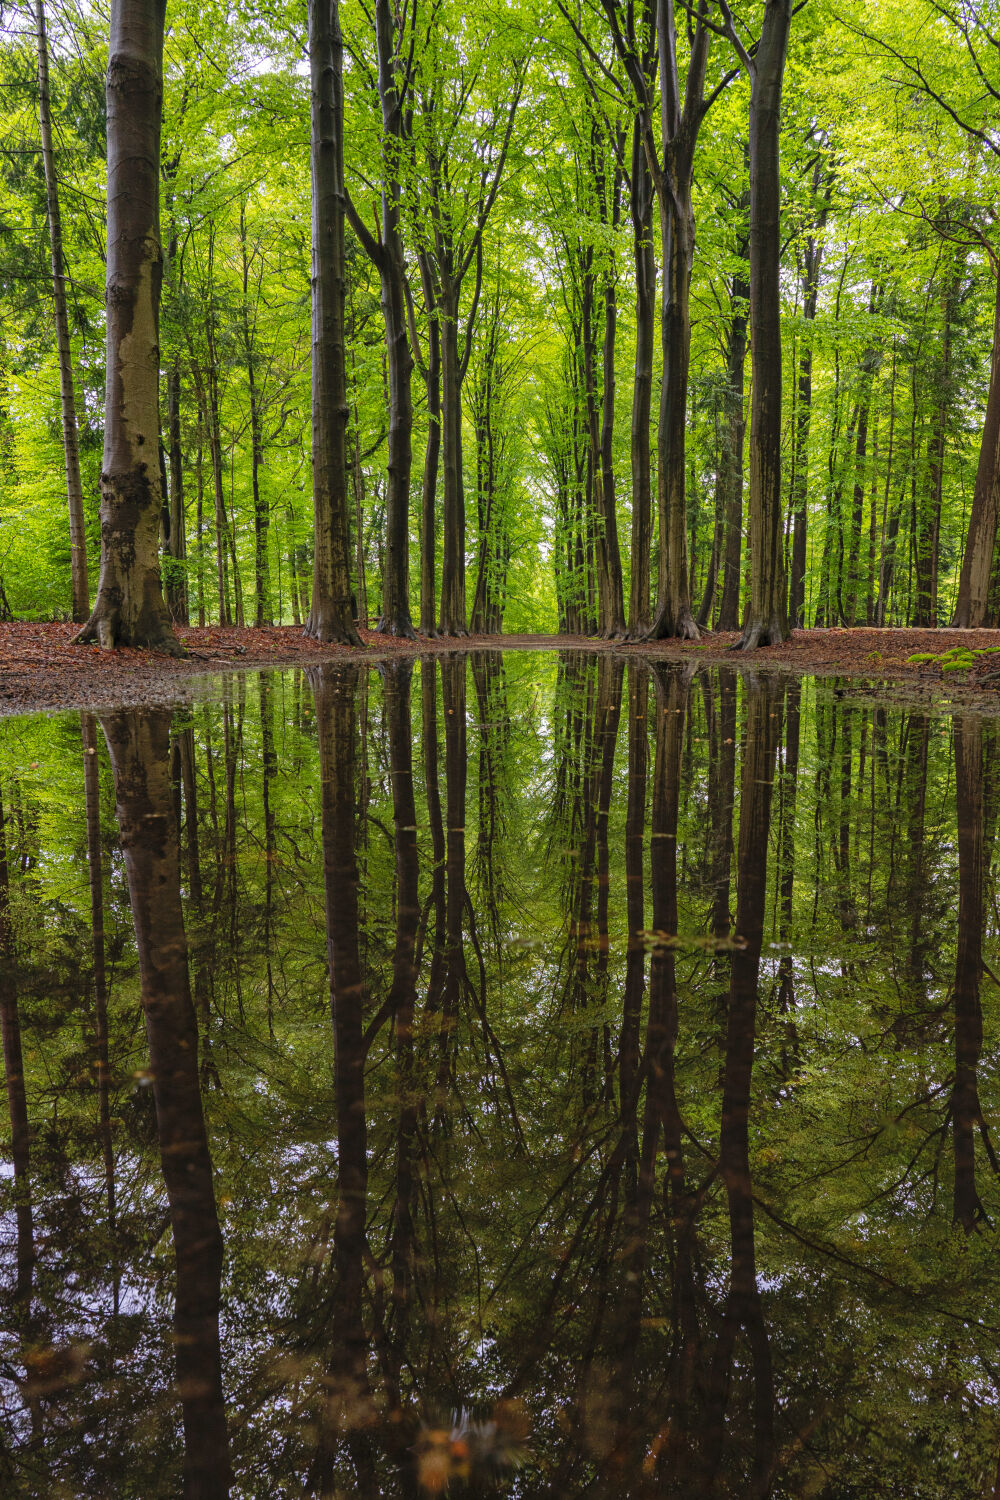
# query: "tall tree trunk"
x,y
386,255
615,623
67,394
673,614
432,457
130,609
641,208
453,607
972,608
177,585
261,515
139,747
679,125
331,617
732,448
811,263
767,616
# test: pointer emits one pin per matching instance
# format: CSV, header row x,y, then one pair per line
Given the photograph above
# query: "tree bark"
x,y
432,458
130,609
641,208
261,514
453,607
811,264
732,452
177,585
767,616
972,608
679,125
331,616
386,254
67,393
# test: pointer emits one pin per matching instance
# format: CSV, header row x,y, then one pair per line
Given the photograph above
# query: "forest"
x,y
499,749
595,1089
614,319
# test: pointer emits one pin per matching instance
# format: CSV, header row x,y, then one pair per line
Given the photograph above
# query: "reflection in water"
x,y
536,1076
139,750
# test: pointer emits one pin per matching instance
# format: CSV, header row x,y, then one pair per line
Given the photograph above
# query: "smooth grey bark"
x,y
177,587
331,617
130,608
731,459
766,621
670,157
67,393
972,605
641,202
386,254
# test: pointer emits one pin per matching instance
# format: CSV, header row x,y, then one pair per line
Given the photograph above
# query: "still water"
x,y
526,1075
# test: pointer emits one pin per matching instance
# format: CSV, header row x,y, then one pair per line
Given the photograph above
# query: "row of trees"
x,y
526,199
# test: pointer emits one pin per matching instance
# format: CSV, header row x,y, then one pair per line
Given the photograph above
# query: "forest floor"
x,y
41,668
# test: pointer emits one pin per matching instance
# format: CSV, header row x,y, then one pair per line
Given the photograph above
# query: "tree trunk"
x,y
767,617
432,456
395,617
812,260
673,614
732,452
261,514
71,448
130,609
177,586
331,617
972,608
641,207
453,608
614,625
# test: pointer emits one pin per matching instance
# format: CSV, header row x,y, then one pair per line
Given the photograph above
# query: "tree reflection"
x,y
139,749
601,1052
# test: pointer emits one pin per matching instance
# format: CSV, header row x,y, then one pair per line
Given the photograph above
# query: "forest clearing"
x,y
500,749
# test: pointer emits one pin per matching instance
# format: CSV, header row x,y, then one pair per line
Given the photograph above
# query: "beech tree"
x,y
67,391
766,622
130,608
669,155
330,618
394,41
885,269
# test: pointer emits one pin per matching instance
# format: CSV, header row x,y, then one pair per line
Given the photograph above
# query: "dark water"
x,y
542,1076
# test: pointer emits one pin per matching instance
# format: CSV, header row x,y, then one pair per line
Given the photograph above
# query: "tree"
x,y
766,622
671,162
130,609
330,618
394,40
67,392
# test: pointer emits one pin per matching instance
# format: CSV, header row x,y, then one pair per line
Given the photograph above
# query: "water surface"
x,y
547,1075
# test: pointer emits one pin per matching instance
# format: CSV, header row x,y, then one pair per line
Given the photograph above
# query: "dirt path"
x,y
41,668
